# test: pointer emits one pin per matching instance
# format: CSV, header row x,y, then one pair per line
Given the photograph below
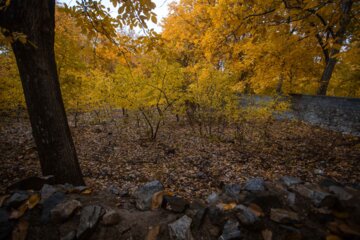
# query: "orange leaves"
x,y
32,201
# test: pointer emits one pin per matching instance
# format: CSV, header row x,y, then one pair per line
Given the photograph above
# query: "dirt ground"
x,y
115,155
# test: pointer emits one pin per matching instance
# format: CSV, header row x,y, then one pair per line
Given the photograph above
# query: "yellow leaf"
x,y
18,213
153,233
157,199
86,191
256,210
33,201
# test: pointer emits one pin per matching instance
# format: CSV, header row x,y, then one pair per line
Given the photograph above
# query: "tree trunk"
x,y
326,76
339,38
37,68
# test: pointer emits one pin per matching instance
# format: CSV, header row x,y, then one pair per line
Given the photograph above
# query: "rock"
x,y
213,198
180,229
70,236
111,218
264,200
175,204
327,182
289,181
46,191
49,204
318,171
17,199
245,215
317,196
283,216
255,185
144,194
197,212
231,231
340,193
232,190
5,225
113,190
31,183
64,210
90,216
291,198
217,215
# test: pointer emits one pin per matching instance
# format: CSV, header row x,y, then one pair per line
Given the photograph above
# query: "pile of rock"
x,y
257,209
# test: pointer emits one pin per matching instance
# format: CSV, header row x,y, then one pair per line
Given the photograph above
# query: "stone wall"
x,y
336,113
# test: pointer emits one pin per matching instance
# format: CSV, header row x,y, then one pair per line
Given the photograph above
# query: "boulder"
x,y
340,193
283,216
49,204
231,231
89,218
70,236
245,215
175,204
17,199
46,191
64,210
180,229
289,181
213,198
318,197
232,190
197,212
111,217
255,185
144,194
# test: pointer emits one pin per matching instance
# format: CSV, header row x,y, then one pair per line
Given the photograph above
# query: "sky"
x,y
161,10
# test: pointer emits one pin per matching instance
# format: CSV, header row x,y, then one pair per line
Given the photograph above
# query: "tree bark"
x,y
38,73
345,8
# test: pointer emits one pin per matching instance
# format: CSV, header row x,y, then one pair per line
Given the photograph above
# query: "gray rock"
x,y
111,217
317,196
291,198
113,190
180,229
213,198
64,210
283,216
143,195
49,204
340,193
89,218
17,199
318,171
231,231
197,212
255,185
232,190
175,204
46,191
289,181
70,236
245,215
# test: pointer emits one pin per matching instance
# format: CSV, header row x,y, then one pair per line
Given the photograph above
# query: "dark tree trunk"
x,y
331,59
37,68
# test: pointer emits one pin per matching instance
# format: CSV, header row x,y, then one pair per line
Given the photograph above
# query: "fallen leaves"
x,y
32,201
157,199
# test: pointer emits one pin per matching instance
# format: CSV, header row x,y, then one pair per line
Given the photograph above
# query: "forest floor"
x,y
117,157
